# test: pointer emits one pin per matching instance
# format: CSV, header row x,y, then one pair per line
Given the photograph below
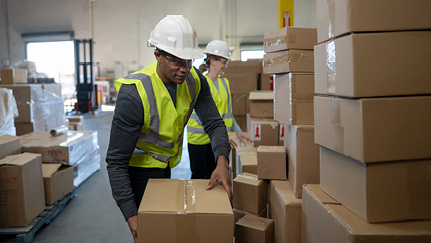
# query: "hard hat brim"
x,y
217,54
186,54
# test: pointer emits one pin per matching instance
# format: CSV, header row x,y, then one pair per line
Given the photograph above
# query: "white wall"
x,y
121,28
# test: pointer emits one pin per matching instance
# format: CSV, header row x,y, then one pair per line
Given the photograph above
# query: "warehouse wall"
x,y
120,28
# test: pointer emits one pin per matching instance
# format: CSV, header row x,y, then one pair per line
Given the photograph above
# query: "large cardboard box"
x,y
14,76
378,192
240,104
187,209
285,209
271,163
254,229
263,131
57,180
251,193
324,220
290,38
9,145
288,61
21,189
303,157
344,66
249,66
241,83
293,98
262,103
337,17
374,129
66,148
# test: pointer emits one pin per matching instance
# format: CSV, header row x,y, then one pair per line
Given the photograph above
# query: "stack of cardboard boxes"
x,y
372,123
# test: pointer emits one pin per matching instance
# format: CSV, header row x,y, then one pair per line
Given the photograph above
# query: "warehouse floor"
x,y
92,216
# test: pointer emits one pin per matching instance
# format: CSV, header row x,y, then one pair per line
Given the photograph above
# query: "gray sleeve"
x,y
126,126
236,128
211,121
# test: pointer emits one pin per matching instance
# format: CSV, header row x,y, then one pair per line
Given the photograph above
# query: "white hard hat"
x,y
218,48
175,35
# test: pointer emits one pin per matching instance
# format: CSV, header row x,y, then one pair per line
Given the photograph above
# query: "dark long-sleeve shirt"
x,y
126,126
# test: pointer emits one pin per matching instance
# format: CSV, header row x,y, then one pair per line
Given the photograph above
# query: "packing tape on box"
x,y
279,40
59,130
330,4
337,128
287,58
330,67
185,204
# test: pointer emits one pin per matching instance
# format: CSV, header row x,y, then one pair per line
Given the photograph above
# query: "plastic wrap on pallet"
x,y
66,148
8,111
85,167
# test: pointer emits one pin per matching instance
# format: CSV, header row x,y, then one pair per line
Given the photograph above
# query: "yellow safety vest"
x,y
195,131
161,139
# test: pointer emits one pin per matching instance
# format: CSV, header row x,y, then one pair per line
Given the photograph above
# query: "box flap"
x,y
8,138
19,159
271,149
255,222
319,194
262,95
284,189
248,178
49,169
201,200
248,159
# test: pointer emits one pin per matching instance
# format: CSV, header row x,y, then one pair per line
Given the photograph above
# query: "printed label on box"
x,y
281,138
257,133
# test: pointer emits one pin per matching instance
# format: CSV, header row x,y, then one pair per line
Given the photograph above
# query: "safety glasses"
x,y
175,61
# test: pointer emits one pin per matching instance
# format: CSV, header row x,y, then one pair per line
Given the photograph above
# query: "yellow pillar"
x,y
285,13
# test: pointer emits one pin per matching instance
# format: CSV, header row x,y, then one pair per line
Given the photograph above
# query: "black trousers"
x,y
139,178
202,161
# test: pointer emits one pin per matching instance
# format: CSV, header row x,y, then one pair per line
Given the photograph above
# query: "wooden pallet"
x,y
26,234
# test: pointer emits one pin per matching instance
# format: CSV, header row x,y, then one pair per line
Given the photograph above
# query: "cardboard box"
x,y
65,148
285,209
263,131
343,66
266,82
9,145
324,220
281,137
262,103
374,129
240,152
241,83
249,66
248,163
378,192
288,61
57,180
303,157
21,187
240,104
253,229
271,163
293,98
290,38
192,213
238,213
14,76
251,193
335,18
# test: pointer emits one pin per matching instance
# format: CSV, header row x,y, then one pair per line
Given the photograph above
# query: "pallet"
x,y
26,234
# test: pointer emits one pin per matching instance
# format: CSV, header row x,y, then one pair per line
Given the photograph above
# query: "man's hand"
x,y
133,225
232,143
221,174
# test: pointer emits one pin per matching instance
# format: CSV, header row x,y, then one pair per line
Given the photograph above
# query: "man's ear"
x,y
157,55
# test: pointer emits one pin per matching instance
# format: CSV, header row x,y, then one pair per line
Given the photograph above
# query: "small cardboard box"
x,y
335,18
241,83
378,192
21,187
303,157
66,148
290,38
263,131
192,213
288,61
14,76
240,152
9,145
238,213
374,129
285,209
343,66
293,98
248,163
271,163
262,103
254,229
324,220
58,181
251,193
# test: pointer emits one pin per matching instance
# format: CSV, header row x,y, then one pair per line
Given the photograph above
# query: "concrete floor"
x,y
92,216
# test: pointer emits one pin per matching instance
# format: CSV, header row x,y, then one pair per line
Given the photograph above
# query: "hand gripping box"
x,y
183,211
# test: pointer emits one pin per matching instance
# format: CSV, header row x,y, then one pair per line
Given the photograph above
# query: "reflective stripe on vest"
x,y
195,130
152,150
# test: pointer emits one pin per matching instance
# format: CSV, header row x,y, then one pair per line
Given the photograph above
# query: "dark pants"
x,y
202,161
139,178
